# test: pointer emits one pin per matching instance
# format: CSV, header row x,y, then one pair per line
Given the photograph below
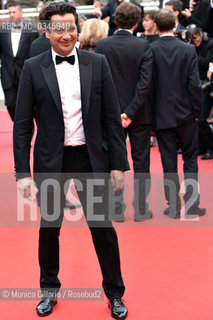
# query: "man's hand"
x,y
27,188
125,120
186,13
117,179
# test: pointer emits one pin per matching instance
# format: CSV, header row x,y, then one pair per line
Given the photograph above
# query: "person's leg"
x,y
167,142
205,134
51,220
103,234
10,100
49,252
188,133
140,149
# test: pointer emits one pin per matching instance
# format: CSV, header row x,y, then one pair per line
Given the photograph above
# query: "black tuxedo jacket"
x,y
177,88
130,61
39,45
205,55
39,93
11,65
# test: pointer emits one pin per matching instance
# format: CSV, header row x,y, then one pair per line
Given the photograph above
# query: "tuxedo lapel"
x,y
9,43
86,79
48,70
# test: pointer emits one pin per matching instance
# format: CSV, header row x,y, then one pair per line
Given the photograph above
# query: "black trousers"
x,y
139,136
205,133
76,164
10,100
187,134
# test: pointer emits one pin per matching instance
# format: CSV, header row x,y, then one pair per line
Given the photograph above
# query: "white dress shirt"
x,y
15,39
70,91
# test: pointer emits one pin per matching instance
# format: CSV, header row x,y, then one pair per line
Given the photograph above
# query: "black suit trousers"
x,y
10,96
187,135
76,165
139,136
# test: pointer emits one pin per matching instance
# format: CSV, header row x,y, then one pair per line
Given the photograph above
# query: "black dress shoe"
x,y
197,212
172,214
118,309
207,156
139,217
45,307
118,218
118,215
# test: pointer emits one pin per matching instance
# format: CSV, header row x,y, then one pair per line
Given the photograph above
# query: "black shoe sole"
x,y
47,313
119,318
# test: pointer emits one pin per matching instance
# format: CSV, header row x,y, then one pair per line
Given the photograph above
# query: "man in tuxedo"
x,y
130,61
79,131
176,106
14,50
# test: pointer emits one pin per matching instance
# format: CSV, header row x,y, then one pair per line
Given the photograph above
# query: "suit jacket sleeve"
x,y
23,124
106,11
194,85
199,15
112,122
143,85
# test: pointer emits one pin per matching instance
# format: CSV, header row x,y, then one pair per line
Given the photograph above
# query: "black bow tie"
x,y
70,59
17,27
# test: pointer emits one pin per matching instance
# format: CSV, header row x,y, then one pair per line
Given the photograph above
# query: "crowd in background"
x,y
194,24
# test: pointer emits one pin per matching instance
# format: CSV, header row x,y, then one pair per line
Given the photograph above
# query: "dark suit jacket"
x,y
100,111
39,45
10,65
199,15
130,61
209,24
177,88
205,55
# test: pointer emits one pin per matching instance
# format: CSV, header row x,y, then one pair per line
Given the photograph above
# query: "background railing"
x,y
81,10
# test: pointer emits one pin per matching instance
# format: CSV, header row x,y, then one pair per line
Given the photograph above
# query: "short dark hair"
x,y
14,4
175,4
127,15
60,8
194,29
150,13
165,20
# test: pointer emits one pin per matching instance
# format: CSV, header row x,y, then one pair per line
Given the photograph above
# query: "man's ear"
x,y
158,31
176,13
47,34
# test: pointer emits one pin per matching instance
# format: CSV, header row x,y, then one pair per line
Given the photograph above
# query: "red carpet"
x,y
167,265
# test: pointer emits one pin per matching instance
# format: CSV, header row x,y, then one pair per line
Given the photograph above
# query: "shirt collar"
x,y
167,35
124,30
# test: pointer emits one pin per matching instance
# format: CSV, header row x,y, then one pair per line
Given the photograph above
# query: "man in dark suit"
x,y
72,95
176,6
109,11
130,61
14,50
176,106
